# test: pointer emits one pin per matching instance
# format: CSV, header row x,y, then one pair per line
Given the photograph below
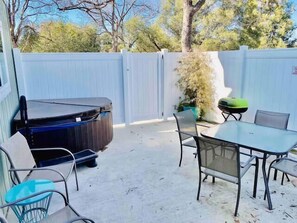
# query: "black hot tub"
x,y
76,124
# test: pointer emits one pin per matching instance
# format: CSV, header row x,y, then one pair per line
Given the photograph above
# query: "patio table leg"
x,y
266,182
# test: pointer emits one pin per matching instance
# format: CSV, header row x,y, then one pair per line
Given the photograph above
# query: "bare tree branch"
x,y
110,15
20,12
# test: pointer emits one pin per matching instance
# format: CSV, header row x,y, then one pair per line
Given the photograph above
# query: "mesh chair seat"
x,y
286,165
64,168
61,216
228,166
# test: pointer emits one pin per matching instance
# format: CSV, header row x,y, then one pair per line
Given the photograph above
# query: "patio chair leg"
x,y
66,191
199,186
237,200
181,155
75,174
275,175
265,193
195,154
287,177
275,171
205,178
283,177
256,178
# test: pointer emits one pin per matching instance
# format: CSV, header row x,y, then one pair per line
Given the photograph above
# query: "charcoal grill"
x,y
233,107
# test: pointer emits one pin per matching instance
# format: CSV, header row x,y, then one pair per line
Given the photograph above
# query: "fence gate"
x,y
144,87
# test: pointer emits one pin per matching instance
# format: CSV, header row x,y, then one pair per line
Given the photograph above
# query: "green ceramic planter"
x,y
195,110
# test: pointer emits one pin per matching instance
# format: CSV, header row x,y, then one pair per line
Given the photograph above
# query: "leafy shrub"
x,y
196,80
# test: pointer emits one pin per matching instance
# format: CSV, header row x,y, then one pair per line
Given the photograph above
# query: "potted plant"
x,y
196,83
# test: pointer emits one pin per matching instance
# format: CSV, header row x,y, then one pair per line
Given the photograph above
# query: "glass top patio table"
x,y
256,137
249,135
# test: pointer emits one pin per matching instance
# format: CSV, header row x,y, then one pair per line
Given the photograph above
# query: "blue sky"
x,y
75,16
81,19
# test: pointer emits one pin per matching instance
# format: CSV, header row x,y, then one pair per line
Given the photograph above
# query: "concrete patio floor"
x,y
138,180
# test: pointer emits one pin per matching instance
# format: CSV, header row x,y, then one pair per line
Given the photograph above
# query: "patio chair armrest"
x,y
283,158
185,133
52,149
248,161
34,195
37,169
80,219
199,124
288,158
246,154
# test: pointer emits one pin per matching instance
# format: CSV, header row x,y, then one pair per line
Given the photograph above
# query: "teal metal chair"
x,y
66,214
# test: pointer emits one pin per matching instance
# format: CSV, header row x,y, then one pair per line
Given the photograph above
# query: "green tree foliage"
x,y
265,23
218,25
275,25
111,15
227,24
170,21
165,32
144,38
61,37
218,29
255,23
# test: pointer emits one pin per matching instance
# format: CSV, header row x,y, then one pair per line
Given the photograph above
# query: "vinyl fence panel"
x,y
144,81
142,86
271,81
73,75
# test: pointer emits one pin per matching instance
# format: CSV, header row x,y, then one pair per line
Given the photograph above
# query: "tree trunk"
x,y
14,41
187,28
189,11
187,31
115,43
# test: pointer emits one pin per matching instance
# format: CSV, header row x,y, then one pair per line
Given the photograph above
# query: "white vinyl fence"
x,y
142,86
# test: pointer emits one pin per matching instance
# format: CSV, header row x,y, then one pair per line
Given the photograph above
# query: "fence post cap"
x,y
244,47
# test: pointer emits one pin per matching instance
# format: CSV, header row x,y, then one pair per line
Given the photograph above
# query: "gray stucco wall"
x,y
9,105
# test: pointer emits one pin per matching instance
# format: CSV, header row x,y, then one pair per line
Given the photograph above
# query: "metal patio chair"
x,y
274,120
286,165
222,160
66,214
186,128
23,166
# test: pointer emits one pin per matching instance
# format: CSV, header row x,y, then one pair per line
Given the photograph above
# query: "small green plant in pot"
x,y
196,82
